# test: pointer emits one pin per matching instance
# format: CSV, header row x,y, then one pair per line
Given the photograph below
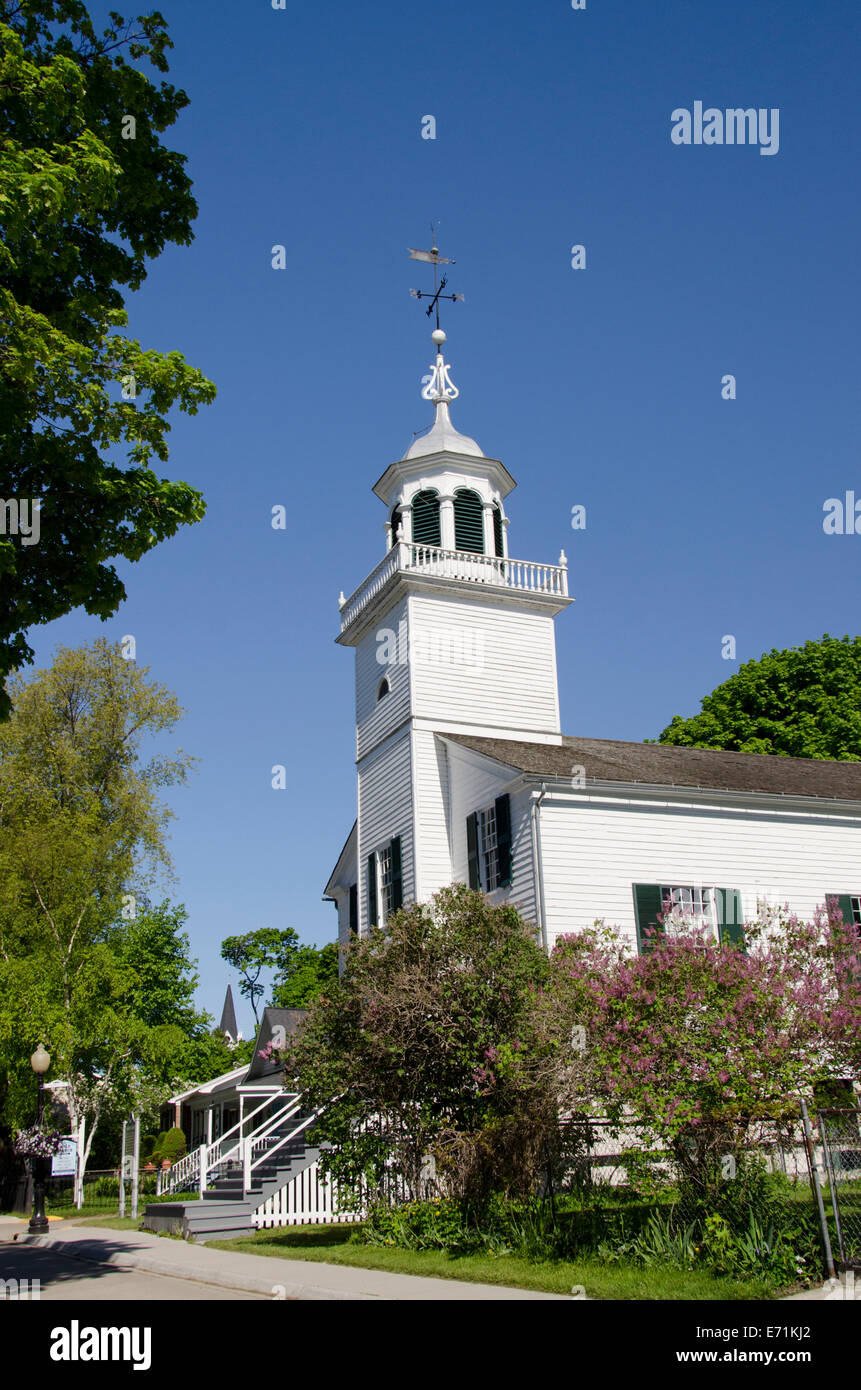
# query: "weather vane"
x,y
435,259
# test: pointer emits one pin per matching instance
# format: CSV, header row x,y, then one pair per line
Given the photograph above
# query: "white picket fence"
x,y
310,1199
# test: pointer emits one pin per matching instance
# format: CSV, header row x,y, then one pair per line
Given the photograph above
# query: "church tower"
x,y
452,636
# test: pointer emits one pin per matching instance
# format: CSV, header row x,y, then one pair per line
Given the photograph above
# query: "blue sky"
x,y
599,387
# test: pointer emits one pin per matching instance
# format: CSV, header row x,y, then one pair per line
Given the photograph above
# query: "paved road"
x,y
64,1279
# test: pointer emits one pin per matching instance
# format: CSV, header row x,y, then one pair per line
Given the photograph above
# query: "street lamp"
x,y
40,1062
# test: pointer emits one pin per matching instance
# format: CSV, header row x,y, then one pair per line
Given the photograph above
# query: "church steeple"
x,y
452,636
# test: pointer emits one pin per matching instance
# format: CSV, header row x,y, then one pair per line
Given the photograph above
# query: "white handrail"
x,y
250,1165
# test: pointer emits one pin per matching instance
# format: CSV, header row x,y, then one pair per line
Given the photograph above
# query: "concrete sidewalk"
x,y
263,1274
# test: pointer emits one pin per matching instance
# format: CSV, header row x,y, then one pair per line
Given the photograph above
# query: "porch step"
x,y
225,1212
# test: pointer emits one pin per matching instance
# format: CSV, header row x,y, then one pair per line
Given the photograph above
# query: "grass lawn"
x,y
600,1280
113,1223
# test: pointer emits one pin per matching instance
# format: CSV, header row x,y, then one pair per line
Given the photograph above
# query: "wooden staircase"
x,y
225,1209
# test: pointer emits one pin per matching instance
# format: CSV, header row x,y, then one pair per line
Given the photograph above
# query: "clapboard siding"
x,y
375,719
594,850
474,787
385,810
432,813
482,663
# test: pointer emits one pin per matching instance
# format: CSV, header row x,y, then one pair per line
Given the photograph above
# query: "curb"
x,y
91,1252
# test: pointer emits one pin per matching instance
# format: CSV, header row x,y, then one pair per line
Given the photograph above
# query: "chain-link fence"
x,y
840,1137
746,1196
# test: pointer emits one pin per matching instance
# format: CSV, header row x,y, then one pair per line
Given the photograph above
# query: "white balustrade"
x,y
456,564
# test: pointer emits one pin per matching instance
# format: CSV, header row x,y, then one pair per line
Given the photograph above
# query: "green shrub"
x,y
433,1225
174,1145
156,1154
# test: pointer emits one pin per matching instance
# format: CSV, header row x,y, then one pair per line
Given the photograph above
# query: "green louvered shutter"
x,y
647,904
844,901
397,875
426,523
354,910
468,521
502,807
730,916
472,850
497,529
372,890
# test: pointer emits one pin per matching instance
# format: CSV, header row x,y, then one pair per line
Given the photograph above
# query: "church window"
x,y
719,908
383,688
385,882
468,521
426,522
488,842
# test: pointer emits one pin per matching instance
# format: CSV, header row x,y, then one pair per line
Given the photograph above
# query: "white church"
x,y
464,774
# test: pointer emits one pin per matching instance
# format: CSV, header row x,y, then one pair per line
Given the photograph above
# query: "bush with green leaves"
x,y
439,1224
174,1145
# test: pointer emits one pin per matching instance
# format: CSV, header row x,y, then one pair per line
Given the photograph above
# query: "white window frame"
x,y
701,902
487,848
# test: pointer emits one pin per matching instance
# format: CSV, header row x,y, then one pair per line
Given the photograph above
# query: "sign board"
x,y
128,1165
65,1163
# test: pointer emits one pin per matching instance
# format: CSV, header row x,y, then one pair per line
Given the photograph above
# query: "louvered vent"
x,y
468,522
426,518
497,528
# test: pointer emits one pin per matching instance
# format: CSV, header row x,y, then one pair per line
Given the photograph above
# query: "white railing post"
x,y
204,1164
246,1165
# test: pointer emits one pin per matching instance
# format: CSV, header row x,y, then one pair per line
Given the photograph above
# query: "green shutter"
x,y
497,529
502,806
472,850
397,875
647,904
730,916
844,901
354,910
426,523
468,521
372,890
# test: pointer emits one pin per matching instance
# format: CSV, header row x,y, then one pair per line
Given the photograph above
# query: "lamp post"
x,y
40,1062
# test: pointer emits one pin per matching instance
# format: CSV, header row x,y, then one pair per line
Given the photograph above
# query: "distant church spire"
x,y
227,1026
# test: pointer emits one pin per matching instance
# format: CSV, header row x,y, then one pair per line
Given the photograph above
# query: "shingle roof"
x,y
654,764
289,1020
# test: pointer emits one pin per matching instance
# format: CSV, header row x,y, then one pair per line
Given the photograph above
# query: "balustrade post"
x,y
563,564
246,1165
204,1164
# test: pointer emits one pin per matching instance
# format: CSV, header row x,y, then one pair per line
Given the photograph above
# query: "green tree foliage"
x,y
804,702
86,200
267,948
156,950
424,1046
82,830
309,971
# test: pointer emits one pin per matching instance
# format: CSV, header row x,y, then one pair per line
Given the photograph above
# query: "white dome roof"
x,y
443,438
